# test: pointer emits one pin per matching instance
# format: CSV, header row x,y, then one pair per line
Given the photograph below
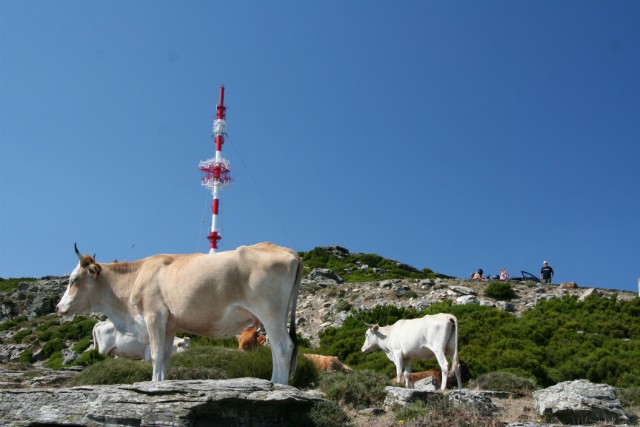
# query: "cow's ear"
x,y
94,270
374,328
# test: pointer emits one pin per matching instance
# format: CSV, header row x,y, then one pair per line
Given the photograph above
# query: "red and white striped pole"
x,y
216,172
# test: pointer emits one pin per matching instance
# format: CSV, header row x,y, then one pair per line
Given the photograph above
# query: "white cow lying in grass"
x,y
108,340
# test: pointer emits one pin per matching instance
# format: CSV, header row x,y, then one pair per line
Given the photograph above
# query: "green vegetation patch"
x,y
559,340
9,285
199,363
500,290
358,389
360,267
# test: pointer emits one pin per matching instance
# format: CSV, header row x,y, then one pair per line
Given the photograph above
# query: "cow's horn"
x,y
75,246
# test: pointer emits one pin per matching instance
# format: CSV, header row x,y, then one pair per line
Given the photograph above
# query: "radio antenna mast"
x,y
216,172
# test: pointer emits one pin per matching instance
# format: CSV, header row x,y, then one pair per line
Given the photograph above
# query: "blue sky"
x,y
447,135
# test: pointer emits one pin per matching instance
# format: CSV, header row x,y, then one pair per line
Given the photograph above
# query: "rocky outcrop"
x,y
242,401
33,299
474,399
324,302
580,402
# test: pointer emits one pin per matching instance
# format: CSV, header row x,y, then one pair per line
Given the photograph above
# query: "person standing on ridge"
x,y
546,273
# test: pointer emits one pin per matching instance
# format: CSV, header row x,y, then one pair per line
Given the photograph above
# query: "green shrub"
x,y
500,290
358,389
55,360
256,364
26,357
12,323
348,267
113,371
89,358
82,345
440,412
20,335
342,305
201,362
411,412
53,346
9,285
506,381
629,397
328,414
410,294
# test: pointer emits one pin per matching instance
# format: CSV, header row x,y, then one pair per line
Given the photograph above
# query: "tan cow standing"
x,y
215,295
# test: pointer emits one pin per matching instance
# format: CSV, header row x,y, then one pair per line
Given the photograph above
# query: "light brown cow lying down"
x,y
436,374
250,339
327,363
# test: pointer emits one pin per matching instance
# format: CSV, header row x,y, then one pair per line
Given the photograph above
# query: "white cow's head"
x,y
183,344
76,298
371,339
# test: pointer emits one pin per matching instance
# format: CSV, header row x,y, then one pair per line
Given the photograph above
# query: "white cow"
x,y
108,340
406,340
215,295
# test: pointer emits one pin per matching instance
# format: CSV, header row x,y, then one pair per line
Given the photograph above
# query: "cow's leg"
x,y
281,351
156,324
458,376
407,373
397,359
444,367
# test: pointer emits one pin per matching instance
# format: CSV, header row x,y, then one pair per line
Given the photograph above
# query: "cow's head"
x,y
370,339
82,280
183,344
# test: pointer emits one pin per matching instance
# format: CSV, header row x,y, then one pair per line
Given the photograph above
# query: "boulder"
x,y
405,396
588,293
464,290
241,401
324,276
426,384
506,306
466,299
476,400
579,402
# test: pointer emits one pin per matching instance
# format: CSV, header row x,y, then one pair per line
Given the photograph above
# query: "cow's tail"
x,y
455,362
293,301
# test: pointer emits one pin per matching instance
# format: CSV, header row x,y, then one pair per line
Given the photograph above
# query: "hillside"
x,y
337,284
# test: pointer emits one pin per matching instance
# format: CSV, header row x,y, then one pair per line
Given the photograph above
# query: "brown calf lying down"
x,y
327,363
250,339
436,374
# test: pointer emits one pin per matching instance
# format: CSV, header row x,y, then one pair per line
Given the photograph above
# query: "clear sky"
x,y
450,135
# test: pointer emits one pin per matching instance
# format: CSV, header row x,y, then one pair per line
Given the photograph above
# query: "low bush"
x,y
89,358
328,414
201,362
55,360
440,412
629,397
26,357
12,323
500,290
358,389
113,371
506,381
8,285
20,335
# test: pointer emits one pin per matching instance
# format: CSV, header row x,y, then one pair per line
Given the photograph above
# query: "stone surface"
x,y
579,402
477,400
242,401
